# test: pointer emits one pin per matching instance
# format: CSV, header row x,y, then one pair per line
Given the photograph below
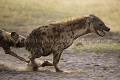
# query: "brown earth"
x,y
76,66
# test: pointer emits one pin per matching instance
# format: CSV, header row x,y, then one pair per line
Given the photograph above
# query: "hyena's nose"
x,y
108,29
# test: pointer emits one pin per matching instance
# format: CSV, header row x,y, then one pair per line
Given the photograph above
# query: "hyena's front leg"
x,y
56,58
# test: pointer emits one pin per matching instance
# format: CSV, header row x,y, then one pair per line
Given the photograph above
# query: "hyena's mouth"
x,y
100,32
1,37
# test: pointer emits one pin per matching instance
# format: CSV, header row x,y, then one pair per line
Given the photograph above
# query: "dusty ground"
x,y
76,66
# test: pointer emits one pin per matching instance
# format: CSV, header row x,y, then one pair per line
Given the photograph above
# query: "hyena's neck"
x,y
80,29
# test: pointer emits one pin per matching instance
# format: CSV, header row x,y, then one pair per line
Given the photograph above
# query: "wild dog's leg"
x,y
56,58
8,51
15,55
32,63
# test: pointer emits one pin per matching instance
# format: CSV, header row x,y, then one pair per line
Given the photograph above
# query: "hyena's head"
x,y
96,25
15,38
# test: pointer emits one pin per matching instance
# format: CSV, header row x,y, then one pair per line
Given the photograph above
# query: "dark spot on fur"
x,y
62,36
56,29
49,36
45,26
69,34
57,36
59,47
43,33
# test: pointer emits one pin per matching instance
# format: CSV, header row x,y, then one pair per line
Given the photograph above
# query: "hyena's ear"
x,y
89,18
14,35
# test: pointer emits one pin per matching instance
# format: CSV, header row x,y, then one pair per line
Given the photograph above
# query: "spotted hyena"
x,y
12,39
56,37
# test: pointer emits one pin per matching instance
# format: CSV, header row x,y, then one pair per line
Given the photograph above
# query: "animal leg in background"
x,y
8,51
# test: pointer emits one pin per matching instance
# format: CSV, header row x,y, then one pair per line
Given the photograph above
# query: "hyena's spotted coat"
x,y
56,37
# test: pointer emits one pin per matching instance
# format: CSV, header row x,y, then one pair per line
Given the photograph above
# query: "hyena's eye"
x,y
101,24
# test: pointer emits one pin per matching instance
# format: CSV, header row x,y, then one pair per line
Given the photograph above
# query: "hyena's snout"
x,y
107,29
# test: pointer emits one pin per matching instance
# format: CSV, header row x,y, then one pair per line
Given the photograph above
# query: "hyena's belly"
x,y
47,47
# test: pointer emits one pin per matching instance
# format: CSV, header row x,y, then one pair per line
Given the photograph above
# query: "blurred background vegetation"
x,y
25,15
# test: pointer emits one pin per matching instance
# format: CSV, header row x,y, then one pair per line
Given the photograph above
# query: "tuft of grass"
x,y
97,47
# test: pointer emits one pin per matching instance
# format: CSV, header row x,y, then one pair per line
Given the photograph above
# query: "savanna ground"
x,y
89,58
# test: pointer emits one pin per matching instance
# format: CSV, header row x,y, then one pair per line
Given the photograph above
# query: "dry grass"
x,y
31,13
97,47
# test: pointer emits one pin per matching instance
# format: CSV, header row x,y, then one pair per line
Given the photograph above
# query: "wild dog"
x,y
54,38
12,39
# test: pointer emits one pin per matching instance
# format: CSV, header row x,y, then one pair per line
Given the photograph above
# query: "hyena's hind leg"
x,y
47,63
34,53
32,65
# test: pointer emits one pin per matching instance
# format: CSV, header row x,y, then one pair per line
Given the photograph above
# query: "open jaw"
x,y
1,37
100,32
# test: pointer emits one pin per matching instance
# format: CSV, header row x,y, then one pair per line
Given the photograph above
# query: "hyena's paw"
x,y
32,67
46,63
